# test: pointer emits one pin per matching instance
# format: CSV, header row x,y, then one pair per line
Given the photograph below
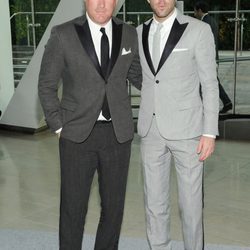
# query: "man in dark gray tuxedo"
x,y
201,12
177,55
94,55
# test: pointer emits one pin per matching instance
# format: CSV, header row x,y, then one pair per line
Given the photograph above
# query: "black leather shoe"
x,y
226,107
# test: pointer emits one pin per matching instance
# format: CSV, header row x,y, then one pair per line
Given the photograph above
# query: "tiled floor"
x,y
29,190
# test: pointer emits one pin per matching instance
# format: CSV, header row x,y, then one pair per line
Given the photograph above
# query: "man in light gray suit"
x,y
94,55
177,55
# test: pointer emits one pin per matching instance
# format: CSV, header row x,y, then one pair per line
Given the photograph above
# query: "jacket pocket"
x,y
68,105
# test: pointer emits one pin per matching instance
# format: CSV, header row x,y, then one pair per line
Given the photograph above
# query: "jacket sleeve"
x,y
51,70
205,58
135,70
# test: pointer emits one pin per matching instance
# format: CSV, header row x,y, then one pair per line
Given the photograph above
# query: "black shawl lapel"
x,y
174,37
145,32
84,34
116,45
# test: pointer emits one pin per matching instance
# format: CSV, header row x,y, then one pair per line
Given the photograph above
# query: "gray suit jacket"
x,y
214,27
70,56
172,90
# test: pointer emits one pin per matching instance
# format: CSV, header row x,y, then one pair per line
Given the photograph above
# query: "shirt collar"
x,y
168,22
204,16
95,28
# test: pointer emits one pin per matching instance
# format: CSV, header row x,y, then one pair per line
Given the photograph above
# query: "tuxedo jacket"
x,y
214,27
70,56
172,90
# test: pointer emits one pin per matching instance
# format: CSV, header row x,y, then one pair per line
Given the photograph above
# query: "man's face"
x,y
100,11
198,13
162,8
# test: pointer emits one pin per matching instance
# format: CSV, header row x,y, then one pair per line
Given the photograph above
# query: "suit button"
x,y
157,81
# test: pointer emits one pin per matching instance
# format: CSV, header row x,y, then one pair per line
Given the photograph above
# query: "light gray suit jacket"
x,y
172,90
70,55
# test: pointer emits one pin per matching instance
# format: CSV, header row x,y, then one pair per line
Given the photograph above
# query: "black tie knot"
x,y
103,30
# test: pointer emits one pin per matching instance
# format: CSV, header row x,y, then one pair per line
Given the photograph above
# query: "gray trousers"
x,y
156,153
101,152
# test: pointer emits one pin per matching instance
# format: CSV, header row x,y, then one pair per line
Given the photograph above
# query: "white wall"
x,y
6,68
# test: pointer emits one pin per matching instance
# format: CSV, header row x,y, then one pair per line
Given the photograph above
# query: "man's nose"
x,y
101,3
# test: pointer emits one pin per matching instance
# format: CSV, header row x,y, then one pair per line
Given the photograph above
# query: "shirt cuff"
x,y
58,131
211,136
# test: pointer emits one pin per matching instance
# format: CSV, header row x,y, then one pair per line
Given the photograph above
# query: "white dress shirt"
x,y
165,31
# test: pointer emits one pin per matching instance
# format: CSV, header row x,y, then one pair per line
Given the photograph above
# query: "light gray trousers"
x,y
156,153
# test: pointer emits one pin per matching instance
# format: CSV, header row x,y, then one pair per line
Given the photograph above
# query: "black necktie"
x,y
104,67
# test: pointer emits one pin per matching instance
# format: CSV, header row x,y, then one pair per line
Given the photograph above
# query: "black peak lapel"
x,y
174,37
145,32
116,44
84,34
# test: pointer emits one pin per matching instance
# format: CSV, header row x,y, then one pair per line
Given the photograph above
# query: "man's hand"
x,y
205,147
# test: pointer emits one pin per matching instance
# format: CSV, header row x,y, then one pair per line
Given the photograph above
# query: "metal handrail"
x,y
33,25
231,59
138,14
30,13
131,12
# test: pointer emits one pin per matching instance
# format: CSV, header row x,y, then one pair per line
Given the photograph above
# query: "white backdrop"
x,y
6,68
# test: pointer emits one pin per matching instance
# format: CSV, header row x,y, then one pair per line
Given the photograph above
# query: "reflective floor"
x,y
29,190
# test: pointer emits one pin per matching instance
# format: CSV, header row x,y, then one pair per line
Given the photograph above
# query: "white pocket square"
x,y
178,50
125,52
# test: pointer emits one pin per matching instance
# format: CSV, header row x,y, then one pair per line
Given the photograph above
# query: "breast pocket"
x,y
181,63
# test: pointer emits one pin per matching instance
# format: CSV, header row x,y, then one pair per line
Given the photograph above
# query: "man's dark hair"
x,y
202,5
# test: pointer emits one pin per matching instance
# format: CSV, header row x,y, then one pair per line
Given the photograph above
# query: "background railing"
x,y
33,30
29,23
134,18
